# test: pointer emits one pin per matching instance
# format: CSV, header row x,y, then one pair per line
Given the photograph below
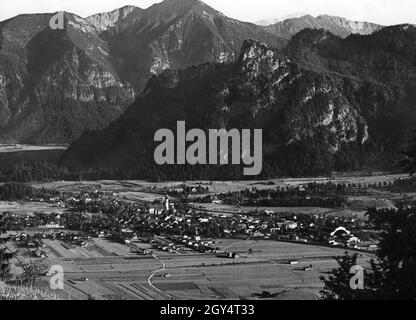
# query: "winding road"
x,y
149,280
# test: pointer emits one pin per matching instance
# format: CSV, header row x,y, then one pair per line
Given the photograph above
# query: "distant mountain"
x,y
336,25
269,22
54,84
177,34
324,103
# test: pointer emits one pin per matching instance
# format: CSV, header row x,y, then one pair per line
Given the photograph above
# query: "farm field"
x,y
230,209
265,269
226,186
106,270
142,191
130,191
29,208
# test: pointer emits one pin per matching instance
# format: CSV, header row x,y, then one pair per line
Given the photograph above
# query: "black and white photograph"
x,y
232,152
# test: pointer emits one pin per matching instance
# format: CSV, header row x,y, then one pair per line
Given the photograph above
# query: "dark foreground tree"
x,y
338,284
394,271
392,275
5,257
31,273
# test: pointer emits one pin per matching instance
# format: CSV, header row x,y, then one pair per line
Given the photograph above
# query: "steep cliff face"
x,y
324,103
313,103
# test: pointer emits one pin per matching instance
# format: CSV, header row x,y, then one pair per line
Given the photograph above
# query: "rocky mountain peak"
x,y
171,10
249,46
256,58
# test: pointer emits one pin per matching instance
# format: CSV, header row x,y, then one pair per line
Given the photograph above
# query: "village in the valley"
x,y
194,240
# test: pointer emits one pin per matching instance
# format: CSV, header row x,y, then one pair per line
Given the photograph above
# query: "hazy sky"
x,y
385,12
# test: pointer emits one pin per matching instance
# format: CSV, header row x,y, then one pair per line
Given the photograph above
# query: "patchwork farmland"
x,y
137,240
106,270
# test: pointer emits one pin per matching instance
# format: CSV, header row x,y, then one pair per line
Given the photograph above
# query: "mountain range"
x,y
54,84
324,103
336,25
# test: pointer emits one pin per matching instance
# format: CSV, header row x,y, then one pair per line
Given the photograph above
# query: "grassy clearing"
x,y
8,292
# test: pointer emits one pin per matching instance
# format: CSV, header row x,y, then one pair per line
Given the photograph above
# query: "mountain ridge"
x,y
337,25
54,84
324,103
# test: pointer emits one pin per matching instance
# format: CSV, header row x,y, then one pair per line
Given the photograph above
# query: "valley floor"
x,y
106,270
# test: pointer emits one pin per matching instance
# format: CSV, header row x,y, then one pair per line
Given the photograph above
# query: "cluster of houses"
x,y
35,243
196,243
38,220
99,214
173,243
